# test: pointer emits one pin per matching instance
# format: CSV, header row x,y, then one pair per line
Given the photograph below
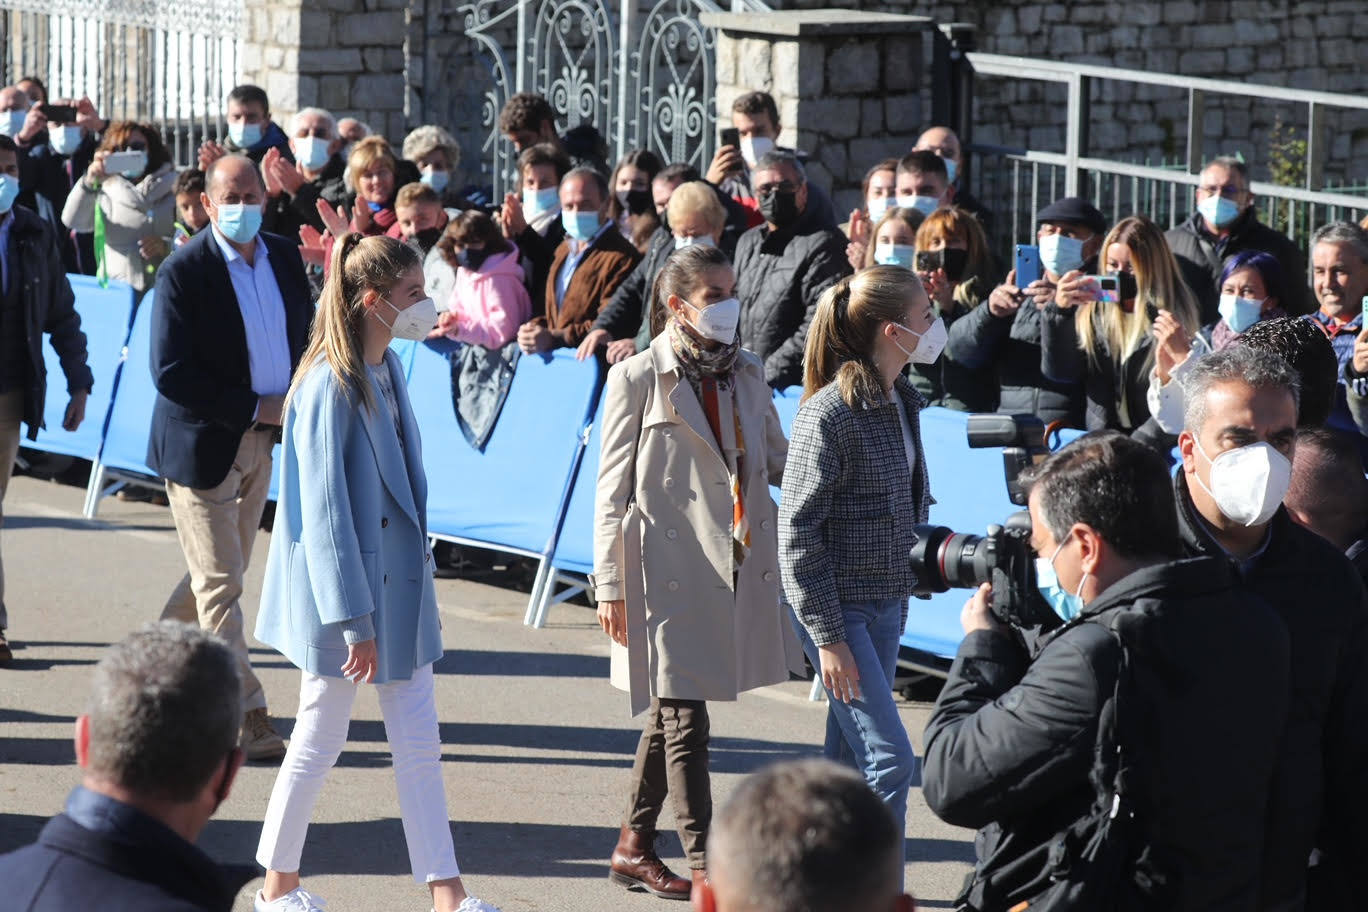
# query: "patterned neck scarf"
x,y
710,374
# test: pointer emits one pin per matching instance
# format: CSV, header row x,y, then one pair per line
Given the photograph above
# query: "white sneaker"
x,y
471,904
297,900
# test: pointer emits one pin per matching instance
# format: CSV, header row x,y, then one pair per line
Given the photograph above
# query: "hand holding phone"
x,y
731,137
126,160
1027,265
59,114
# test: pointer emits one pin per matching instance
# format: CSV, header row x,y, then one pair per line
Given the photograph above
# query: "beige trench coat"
x,y
662,538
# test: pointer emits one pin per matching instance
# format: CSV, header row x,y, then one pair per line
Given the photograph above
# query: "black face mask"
x,y
427,239
637,202
949,260
472,257
780,208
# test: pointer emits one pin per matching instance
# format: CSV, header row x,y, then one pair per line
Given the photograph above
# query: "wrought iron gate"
x,y
640,71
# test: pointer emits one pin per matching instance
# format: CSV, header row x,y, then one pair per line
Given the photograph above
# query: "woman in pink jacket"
x,y
489,301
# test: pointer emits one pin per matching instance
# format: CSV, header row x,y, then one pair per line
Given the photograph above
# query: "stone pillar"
x,y
343,55
847,83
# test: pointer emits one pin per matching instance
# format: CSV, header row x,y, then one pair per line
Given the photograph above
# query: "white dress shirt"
x,y
263,316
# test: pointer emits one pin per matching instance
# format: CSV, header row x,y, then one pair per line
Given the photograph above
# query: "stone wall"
x,y
1292,43
348,56
848,85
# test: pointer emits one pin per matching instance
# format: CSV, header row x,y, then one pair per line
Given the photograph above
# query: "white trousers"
x,y
410,712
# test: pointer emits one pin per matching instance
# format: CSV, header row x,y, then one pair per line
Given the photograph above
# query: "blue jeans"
x,y
868,733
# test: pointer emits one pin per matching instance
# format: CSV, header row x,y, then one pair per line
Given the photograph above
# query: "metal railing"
x,y
171,64
1020,180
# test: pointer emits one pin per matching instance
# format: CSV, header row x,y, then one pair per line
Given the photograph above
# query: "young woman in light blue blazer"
x,y
348,595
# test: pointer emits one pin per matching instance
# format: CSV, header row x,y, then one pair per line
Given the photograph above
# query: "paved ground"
x,y
537,745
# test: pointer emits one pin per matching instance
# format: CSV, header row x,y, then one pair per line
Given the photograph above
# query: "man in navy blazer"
x,y
230,319
158,755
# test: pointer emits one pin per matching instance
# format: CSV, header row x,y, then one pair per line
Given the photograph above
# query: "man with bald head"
x,y
230,318
944,142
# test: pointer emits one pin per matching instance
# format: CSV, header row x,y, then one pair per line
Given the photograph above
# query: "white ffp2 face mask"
x,y
1248,483
930,344
413,322
718,321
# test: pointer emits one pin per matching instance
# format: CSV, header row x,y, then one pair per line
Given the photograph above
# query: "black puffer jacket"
x,y
1011,741
1201,259
980,340
628,312
1320,792
779,277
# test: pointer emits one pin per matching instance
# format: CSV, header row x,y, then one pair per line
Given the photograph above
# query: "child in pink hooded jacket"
x,y
489,301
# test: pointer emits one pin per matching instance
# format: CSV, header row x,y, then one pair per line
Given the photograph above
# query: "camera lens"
x,y
944,559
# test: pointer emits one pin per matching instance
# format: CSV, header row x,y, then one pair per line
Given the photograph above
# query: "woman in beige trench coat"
x,y
686,550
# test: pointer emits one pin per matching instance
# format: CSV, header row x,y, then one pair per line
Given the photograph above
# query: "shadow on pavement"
x,y
522,664
38,751
378,847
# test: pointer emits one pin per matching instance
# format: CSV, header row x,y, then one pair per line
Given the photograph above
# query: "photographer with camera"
x,y
1241,409
855,486
1126,764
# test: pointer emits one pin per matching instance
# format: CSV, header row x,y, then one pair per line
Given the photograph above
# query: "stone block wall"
x,y
1301,44
848,86
348,56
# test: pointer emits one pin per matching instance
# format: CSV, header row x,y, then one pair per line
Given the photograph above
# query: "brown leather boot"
x,y
636,866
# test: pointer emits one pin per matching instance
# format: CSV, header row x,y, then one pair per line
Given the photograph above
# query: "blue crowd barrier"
x,y
512,496
104,313
123,455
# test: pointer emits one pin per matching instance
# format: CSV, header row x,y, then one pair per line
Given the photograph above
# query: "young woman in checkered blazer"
x,y
855,484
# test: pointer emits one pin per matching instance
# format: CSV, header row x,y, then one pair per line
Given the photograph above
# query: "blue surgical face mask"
x,y
923,204
239,222
877,206
65,139
581,226
244,135
951,169
1060,253
12,122
1218,210
703,240
435,178
1240,313
535,202
9,191
311,152
1068,605
894,255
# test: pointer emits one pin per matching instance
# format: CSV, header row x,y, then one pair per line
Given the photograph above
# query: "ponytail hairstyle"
x,y
1158,283
359,264
850,316
683,272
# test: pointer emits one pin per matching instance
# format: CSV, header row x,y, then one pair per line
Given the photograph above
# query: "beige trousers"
x,y
11,432
217,527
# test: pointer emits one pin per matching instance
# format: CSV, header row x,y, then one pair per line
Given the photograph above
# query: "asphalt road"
x,y
537,745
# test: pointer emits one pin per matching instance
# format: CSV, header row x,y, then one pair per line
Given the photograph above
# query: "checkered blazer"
x,y
848,508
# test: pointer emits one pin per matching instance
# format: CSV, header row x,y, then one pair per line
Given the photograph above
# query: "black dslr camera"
x,y
944,559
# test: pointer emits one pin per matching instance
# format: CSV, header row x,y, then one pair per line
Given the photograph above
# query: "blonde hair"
x,y
910,217
365,155
850,316
359,264
1157,283
416,194
700,198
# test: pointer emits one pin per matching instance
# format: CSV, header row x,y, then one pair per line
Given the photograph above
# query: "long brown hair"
x,y
117,135
850,316
359,264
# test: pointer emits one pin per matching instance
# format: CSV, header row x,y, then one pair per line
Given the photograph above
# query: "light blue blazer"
x,y
349,554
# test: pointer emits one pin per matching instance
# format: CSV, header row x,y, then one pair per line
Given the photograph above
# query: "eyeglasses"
x,y
135,145
1229,191
782,187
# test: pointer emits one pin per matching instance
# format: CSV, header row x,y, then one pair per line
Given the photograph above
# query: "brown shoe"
x,y
6,656
636,866
259,740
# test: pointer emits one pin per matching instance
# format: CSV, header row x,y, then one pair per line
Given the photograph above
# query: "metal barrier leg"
x,y
818,692
541,582
544,601
94,490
